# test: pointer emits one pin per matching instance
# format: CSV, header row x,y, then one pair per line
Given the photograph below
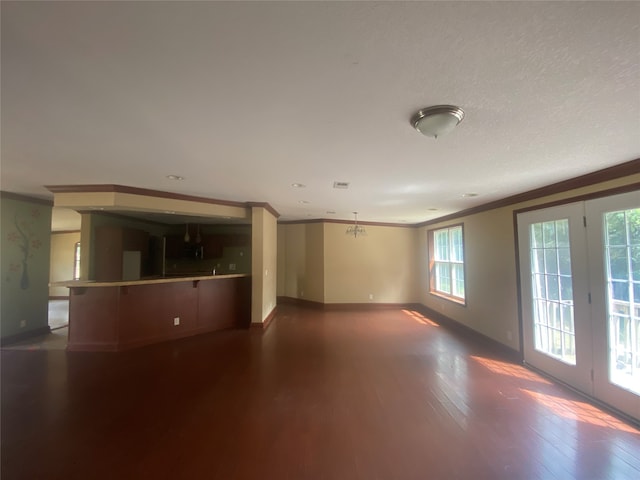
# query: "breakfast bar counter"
x,y
114,316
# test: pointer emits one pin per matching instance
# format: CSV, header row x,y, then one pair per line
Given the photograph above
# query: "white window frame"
x,y
76,261
443,286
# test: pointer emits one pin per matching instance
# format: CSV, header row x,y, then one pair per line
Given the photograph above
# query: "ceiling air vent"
x,y
343,185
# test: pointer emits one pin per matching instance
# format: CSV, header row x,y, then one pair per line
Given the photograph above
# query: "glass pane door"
x,y
613,229
622,260
556,318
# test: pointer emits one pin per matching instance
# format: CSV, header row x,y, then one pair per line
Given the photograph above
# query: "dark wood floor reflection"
x,y
319,395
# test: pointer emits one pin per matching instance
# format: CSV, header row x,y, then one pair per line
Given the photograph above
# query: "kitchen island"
x,y
114,316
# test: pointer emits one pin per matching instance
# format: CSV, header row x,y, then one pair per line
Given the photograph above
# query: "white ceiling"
x,y
245,98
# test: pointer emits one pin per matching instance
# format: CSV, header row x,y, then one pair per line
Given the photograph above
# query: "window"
x,y
446,273
76,261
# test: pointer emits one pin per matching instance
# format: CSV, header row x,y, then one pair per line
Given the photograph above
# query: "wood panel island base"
x,y
114,316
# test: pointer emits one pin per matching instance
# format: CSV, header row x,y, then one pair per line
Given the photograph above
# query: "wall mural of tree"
x,y
27,241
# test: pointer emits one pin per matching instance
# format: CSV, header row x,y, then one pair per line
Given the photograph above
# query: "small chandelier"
x,y
356,229
437,120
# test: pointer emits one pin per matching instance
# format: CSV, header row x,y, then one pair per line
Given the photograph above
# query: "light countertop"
x,y
148,281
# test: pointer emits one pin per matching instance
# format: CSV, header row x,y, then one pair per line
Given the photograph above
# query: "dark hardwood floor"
x,y
319,395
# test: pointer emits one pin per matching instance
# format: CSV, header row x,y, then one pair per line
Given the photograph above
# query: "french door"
x,y
556,316
580,290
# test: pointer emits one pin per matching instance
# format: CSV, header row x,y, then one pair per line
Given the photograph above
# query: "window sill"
x,y
457,300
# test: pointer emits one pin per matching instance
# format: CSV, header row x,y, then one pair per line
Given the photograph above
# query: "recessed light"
x,y
298,185
469,195
170,212
303,201
175,177
330,212
343,185
432,209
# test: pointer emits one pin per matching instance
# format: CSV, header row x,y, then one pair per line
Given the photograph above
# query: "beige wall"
x,y
314,285
264,268
86,251
292,259
118,201
490,268
490,271
380,265
322,264
301,261
62,255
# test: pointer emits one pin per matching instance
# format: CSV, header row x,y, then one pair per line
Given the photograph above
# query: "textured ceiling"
x,y
244,99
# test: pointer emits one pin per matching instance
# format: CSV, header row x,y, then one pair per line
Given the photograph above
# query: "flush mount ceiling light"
x,y
175,177
437,120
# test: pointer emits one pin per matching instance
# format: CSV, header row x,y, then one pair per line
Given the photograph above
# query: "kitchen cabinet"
x,y
174,246
110,243
212,246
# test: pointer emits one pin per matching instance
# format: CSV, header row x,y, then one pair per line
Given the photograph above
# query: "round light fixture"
x,y
437,120
175,177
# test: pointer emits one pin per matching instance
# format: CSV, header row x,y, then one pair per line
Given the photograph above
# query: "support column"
x,y
264,246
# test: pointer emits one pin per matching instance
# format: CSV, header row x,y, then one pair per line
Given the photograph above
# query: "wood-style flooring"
x,y
319,395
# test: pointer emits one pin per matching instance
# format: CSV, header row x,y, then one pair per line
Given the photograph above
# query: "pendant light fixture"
x,y
437,120
355,229
198,237
186,234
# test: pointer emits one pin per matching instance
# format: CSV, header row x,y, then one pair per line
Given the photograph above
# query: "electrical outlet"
x,y
176,321
302,293
23,323
232,267
371,296
509,335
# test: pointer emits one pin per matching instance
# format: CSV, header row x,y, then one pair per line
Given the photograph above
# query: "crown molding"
x,y
346,222
264,205
611,173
